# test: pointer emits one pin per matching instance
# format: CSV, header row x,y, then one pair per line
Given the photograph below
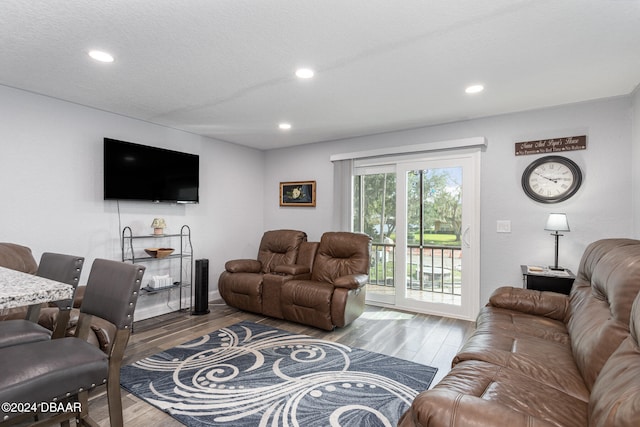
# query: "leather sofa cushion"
x,y
307,254
549,362
615,398
308,302
279,247
513,323
307,293
242,290
511,389
594,252
441,407
600,304
341,254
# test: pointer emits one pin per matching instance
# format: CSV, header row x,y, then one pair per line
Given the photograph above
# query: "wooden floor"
x,y
429,340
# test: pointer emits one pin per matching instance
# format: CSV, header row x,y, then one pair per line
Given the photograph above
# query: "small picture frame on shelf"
x,y
298,193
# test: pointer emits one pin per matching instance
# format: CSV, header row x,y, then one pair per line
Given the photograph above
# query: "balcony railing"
x,y
430,268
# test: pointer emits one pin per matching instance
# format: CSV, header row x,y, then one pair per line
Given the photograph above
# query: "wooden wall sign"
x,y
556,145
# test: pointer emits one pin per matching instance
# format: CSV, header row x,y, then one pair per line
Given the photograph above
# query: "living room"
x,y
51,170
53,158
53,183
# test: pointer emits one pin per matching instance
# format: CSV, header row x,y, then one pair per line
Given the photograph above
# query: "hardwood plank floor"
x,y
425,339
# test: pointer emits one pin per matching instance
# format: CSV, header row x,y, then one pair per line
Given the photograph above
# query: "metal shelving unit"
x,y
133,253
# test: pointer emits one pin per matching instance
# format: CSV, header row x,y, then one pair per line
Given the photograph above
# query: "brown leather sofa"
x,y
20,258
547,359
322,287
17,257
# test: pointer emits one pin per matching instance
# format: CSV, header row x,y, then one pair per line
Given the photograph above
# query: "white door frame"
x,y
470,161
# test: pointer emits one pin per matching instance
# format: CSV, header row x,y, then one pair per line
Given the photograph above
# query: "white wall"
x,y
602,207
51,185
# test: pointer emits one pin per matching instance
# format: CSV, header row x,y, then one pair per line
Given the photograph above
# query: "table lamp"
x,y
557,222
158,225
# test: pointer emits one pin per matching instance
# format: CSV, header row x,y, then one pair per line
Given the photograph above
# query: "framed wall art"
x,y
299,193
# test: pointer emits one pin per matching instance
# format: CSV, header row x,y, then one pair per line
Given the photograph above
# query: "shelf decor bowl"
x,y
159,252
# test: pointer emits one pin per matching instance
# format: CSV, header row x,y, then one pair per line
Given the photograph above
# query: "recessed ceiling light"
x,y
101,56
285,126
304,73
474,89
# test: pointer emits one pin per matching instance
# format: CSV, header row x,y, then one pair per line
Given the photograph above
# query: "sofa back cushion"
x,y
340,254
615,398
307,254
17,257
606,285
279,247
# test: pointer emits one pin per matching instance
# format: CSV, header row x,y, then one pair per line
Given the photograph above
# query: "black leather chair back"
x,y
112,291
62,268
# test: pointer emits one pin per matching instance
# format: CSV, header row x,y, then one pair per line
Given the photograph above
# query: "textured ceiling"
x,y
225,68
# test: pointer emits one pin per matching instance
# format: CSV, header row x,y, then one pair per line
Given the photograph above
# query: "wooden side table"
x,y
544,279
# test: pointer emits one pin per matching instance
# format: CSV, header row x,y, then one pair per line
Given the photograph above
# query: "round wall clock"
x,y
551,179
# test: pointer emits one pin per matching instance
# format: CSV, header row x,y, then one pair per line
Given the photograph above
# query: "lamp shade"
x,y
557,222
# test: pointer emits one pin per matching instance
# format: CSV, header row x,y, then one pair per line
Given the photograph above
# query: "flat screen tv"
x,y
140,172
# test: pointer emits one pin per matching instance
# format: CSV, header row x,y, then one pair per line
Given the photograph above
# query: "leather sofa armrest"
x,y
442,407
351,281
547,304
291,269
243,266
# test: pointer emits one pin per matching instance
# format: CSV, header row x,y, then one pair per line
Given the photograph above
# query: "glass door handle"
x,y
465,237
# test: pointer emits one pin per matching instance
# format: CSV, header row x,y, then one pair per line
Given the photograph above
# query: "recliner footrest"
x,y
308,302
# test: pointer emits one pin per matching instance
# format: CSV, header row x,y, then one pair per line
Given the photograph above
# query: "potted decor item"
x,y
158,225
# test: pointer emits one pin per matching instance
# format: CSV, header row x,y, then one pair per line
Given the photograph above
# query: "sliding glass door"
x,y
423,217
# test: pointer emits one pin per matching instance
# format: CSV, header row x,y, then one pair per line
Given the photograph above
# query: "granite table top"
x,y
18,289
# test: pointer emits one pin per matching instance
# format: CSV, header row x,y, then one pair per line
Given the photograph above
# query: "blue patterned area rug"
x,y
255,375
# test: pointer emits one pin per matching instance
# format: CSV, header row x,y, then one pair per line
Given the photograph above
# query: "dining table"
x,y
18,289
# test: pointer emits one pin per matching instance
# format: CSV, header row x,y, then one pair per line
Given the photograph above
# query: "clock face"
x,y
551,179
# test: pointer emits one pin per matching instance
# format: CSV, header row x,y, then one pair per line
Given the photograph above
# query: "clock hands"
x,y
554,180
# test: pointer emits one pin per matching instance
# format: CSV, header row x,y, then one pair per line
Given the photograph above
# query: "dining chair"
x,y
59,267
64,370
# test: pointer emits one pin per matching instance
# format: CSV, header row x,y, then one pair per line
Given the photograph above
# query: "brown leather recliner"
x,y
334,293
240,285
